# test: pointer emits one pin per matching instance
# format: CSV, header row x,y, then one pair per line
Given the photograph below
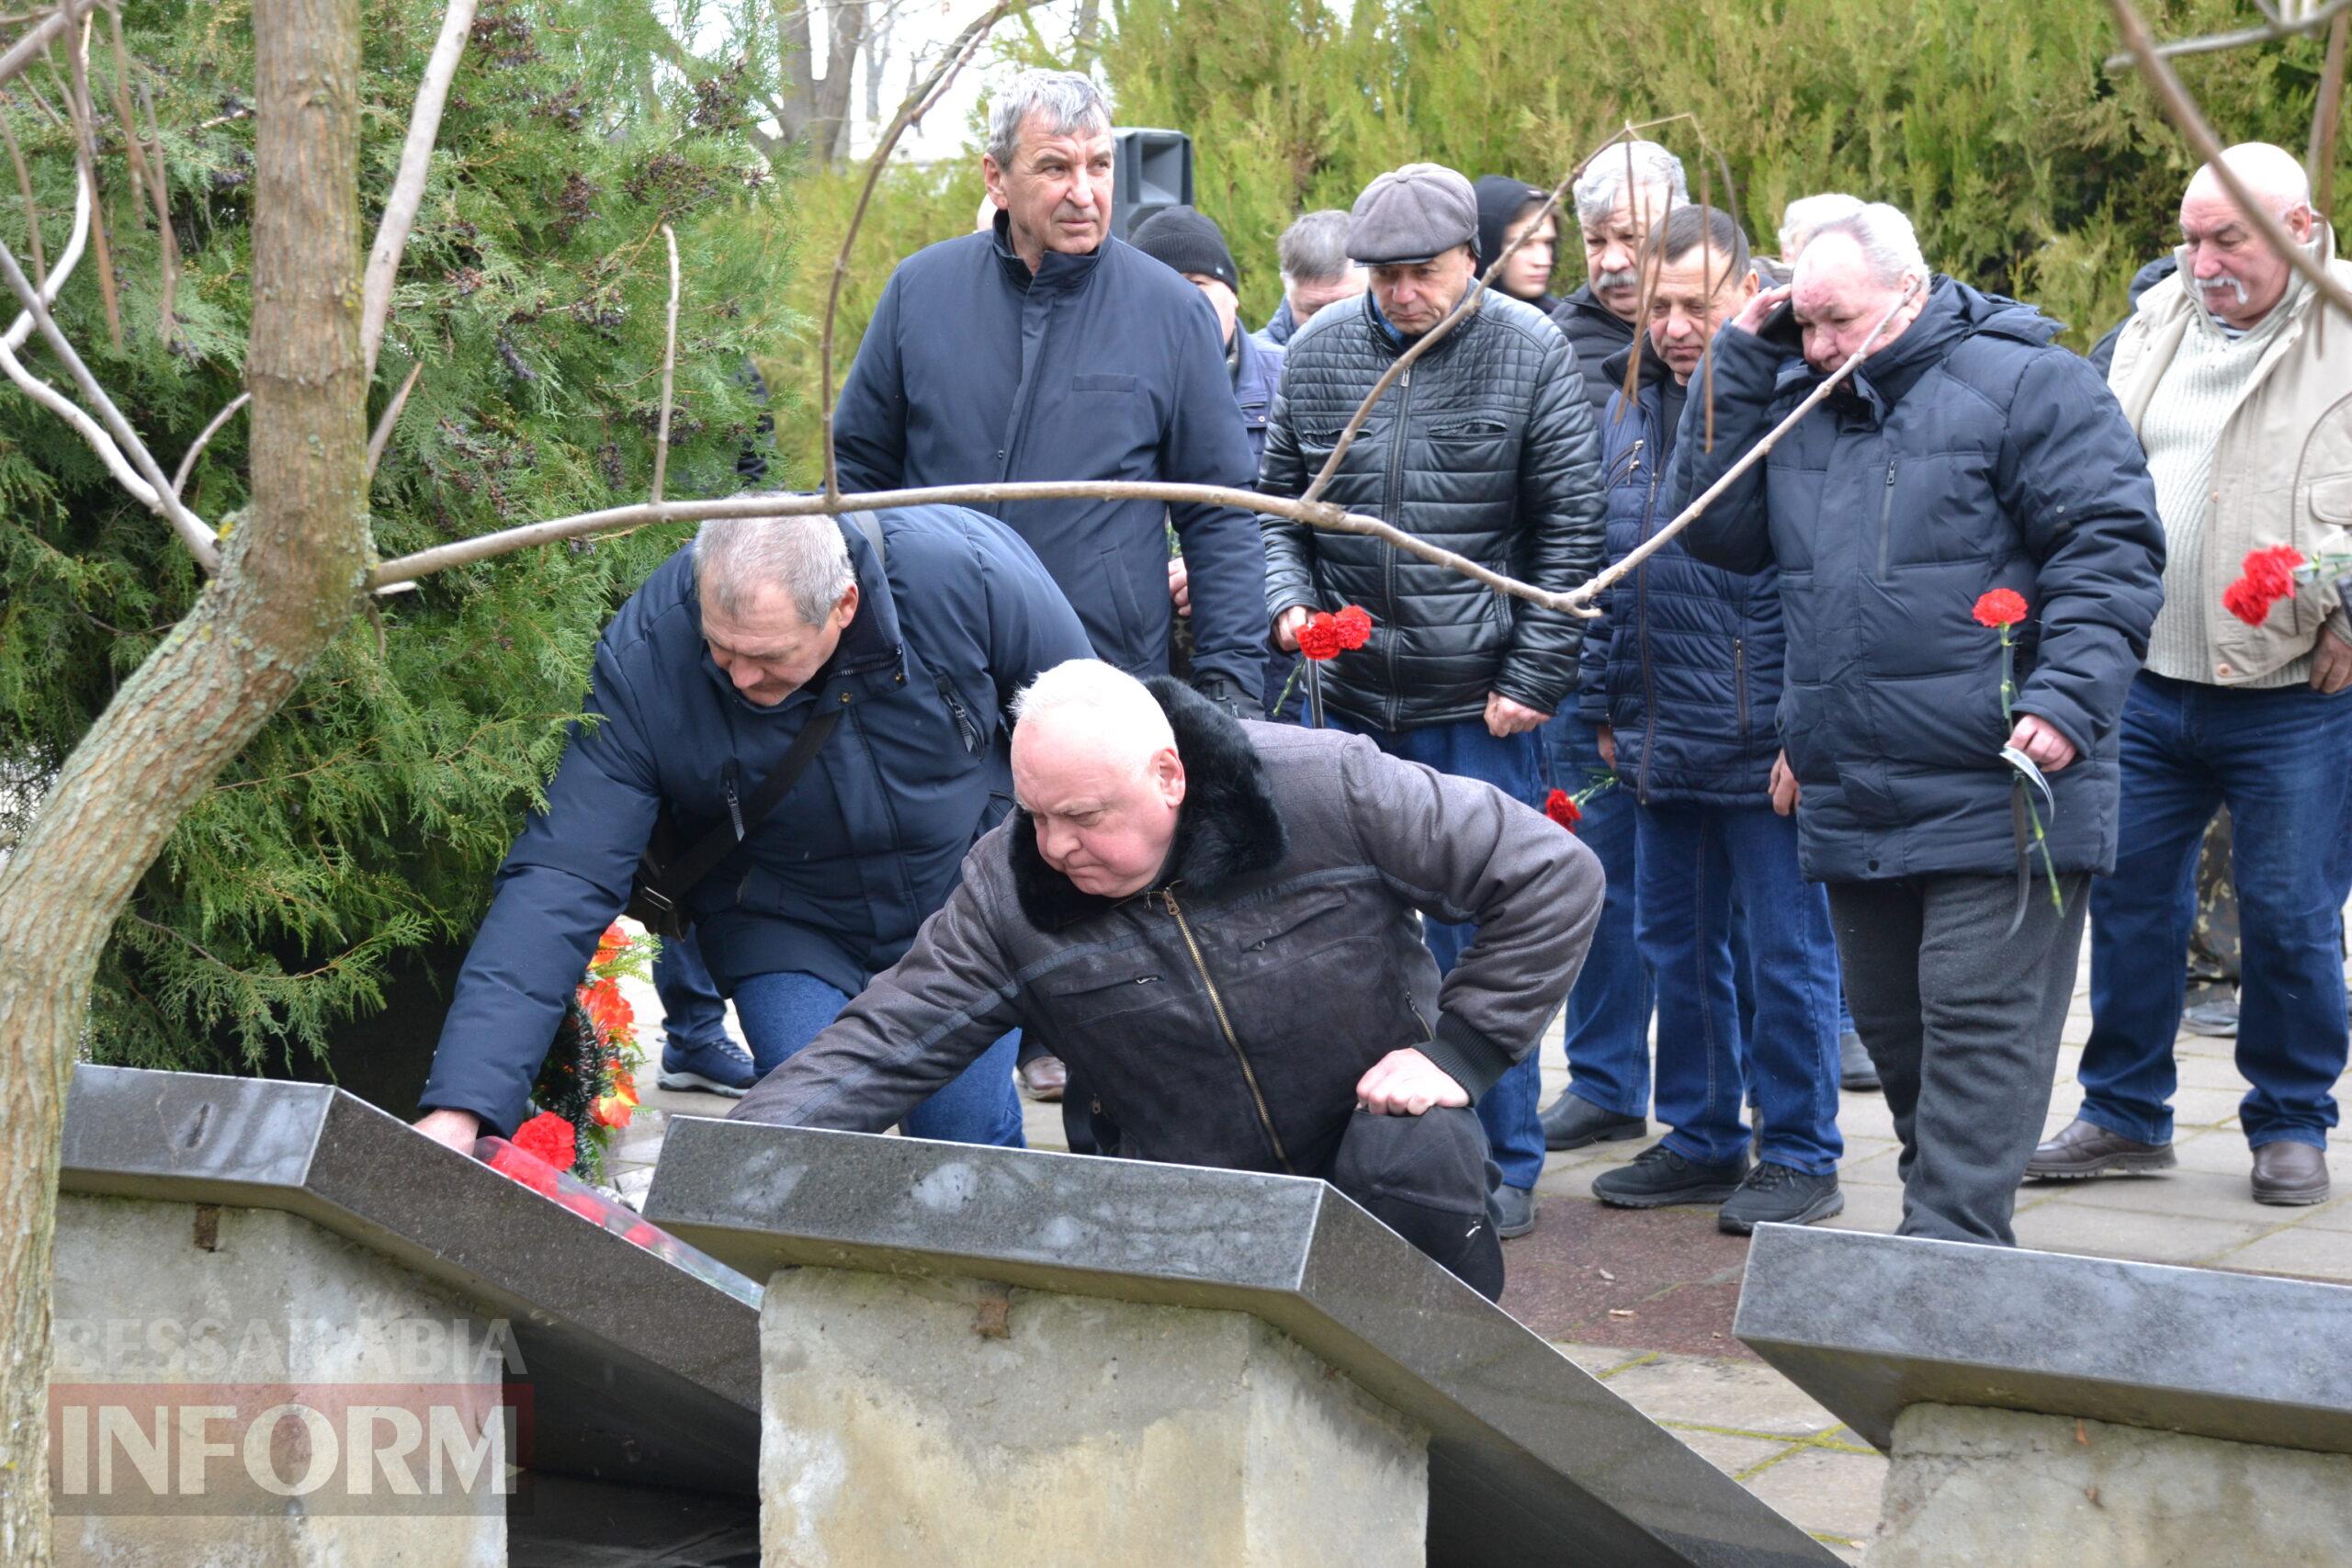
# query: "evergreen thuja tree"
x,y
359,829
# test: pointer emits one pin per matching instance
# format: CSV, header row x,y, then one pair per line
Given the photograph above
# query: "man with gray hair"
x,y
1805,217
1968,454
1316,272
1218,922
2239,390
1618,196
713,696
1046,349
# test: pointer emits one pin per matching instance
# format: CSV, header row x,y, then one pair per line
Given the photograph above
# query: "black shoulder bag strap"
x,y
662,889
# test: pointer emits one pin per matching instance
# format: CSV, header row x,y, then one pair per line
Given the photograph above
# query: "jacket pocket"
x,y
1081,1001
1289,928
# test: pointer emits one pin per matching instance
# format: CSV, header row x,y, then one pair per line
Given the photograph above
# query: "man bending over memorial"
x,y
715,696
1214,921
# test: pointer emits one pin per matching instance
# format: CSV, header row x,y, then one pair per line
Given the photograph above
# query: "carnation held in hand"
x,y
2000,608
1319,638
2269,577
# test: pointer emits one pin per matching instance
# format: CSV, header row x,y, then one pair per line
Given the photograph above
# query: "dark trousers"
x,y
2281,761
1426,1178
1962,1023
1606,1031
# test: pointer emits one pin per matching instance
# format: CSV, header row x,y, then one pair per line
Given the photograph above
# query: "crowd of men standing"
x,y
1847,826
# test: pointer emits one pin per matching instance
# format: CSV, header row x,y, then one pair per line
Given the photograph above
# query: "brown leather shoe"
x,y
1043,1079
2290,1173
2083,1148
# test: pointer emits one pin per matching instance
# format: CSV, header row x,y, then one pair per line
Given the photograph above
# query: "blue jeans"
x,y
1607,1028
785,1009
1691,859
1464,748
692,1012
2281,761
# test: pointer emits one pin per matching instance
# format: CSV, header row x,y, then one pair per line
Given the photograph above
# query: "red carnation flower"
x,y
2247,603
2272,571
516,1165
2001,607
1354,624
1319,638
1562,808
549,1137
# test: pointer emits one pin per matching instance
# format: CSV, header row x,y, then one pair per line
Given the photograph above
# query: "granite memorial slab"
x,y
2045,1411
1528,1458
246,1237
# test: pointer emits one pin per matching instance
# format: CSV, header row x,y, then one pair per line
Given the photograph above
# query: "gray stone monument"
x,y
2041,1409
976,1354
291,1330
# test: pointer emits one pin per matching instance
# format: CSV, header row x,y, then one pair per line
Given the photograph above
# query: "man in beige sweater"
x,y
2242,400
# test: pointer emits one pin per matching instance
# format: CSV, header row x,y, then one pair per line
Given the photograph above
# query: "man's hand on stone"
x,y
2331,663
1180,586
1784,786
2039,739
1506,718
1286,626
458,1129
1757,311
1405,1083
1604,740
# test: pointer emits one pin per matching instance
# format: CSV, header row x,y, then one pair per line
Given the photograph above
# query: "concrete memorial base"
x,y
2041,1409
1970,1486
983,1355
966,1425
292,1331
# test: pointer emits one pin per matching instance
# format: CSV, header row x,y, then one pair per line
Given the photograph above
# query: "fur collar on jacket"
x,y
1229,824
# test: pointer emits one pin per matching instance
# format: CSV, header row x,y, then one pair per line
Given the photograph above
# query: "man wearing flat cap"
x,y
1485,447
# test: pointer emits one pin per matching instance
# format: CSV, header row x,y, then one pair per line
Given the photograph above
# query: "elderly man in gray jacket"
x,y
1214,921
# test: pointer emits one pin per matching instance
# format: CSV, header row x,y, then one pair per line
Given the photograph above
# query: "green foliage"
x,y
367,817
2028,168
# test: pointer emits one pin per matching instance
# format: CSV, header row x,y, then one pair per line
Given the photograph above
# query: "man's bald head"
x,y
1095,766
2230,268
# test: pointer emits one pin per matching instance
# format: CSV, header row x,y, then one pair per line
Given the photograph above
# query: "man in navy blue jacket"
x,y
1680,681
1045,349
1968,453
701,684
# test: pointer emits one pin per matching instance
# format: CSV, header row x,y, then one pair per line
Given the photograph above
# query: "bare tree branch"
x,y
2275,29
2189,121
203,439
67,260
2327,119
25,188
966,43
408,184
154,491
669,371
85,150
40,35
383,435
1470,300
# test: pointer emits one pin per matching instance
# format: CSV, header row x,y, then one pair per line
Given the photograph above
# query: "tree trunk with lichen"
x,y
287,587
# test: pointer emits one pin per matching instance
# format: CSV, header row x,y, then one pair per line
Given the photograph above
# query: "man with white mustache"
x,y
2243,404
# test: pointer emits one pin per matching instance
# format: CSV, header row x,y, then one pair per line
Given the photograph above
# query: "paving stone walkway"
x,y
1643,1298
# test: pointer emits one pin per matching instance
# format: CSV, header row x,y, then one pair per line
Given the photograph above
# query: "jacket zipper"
x,y
1641,626
1885,520
966,730
734,806
1249,1074
1739,680
1394,706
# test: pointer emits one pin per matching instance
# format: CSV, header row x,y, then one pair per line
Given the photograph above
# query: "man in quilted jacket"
x,y
1484,446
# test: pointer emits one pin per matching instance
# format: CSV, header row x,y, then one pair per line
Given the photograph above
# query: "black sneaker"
x,y
1572,1122
1659,1177
1780,1195
1855,1069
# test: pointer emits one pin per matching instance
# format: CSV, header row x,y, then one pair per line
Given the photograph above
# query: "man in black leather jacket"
x,y
1485,447
1214,921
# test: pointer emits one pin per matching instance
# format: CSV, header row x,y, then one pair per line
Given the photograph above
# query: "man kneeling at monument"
x,y
1214,921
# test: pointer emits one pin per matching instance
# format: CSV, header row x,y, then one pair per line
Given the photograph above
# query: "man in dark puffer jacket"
x,y
1215,922
1486,446
1681,679
1968,454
